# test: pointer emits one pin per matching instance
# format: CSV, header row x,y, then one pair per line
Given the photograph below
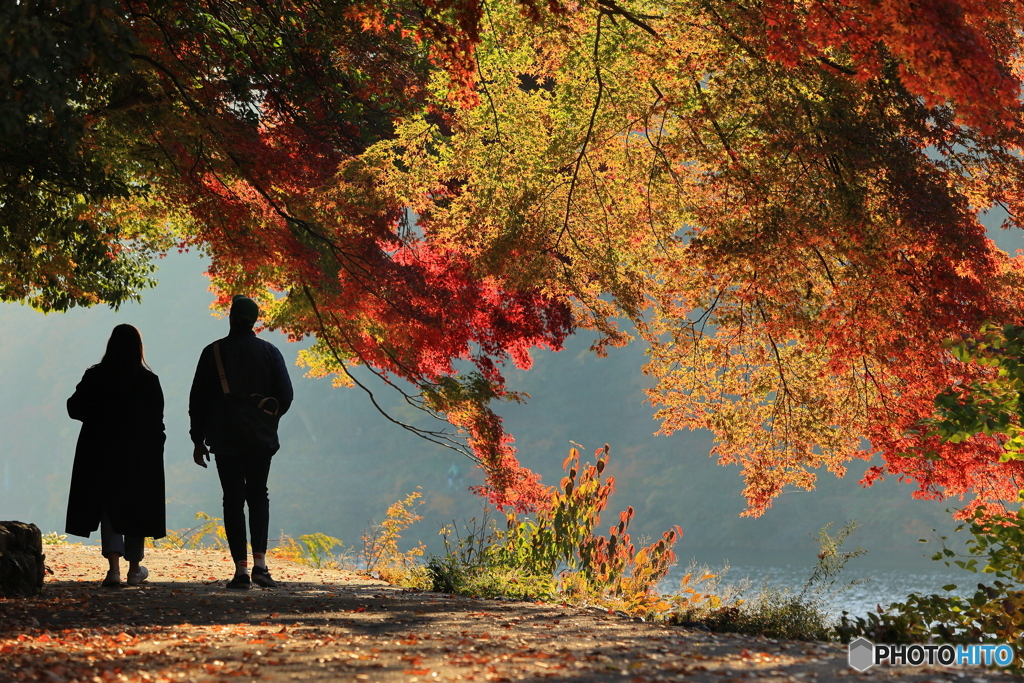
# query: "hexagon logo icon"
x,y
861,654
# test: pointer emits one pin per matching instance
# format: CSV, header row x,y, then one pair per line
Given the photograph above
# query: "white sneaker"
x,y
135,578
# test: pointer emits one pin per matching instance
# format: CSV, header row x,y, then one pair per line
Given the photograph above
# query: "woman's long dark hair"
x,y
124,354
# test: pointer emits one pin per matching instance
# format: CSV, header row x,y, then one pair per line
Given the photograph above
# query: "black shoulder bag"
x,y
251,419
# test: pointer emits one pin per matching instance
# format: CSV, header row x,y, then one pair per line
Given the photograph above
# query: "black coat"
x,y
119,461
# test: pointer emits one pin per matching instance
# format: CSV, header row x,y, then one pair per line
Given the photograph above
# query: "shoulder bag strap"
x,y
220,368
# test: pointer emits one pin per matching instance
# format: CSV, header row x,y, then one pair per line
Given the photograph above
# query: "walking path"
x,y
183,625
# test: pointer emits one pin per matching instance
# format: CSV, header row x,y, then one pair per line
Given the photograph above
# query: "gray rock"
x,y
21,559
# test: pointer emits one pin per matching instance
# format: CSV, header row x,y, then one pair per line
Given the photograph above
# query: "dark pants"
x,y
243,478
131,548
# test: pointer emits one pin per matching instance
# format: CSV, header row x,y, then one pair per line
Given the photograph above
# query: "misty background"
x,y
341,464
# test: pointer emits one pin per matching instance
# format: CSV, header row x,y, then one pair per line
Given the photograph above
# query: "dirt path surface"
x,y
182,625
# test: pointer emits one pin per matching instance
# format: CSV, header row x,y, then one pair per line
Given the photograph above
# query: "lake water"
x,y
877,586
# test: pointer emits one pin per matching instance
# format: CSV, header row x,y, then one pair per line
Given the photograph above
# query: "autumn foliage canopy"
x,y
781,200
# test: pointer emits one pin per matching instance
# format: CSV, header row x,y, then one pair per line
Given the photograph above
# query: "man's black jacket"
x,y
252,366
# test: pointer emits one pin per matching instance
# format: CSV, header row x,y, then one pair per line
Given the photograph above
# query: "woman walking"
x,y
117,483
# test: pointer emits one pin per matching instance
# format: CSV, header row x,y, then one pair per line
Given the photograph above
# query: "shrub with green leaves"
x,y
557,551
990,405
994,614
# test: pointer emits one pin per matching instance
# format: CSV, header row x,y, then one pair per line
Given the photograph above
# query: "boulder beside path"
x,y
21,559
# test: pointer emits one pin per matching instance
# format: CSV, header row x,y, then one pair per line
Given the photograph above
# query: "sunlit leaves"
x,y
989,405
782,200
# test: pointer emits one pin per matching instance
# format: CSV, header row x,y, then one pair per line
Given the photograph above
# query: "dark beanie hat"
x,y
244,309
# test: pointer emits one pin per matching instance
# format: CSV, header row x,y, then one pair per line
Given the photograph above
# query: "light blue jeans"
x,y
131,548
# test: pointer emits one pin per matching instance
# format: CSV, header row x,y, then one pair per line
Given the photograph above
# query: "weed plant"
x,y
701,594
381,555
56,538
774,613
315,550
556,554
469,566
778,612
209,533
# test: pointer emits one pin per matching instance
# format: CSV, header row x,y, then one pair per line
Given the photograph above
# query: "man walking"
x,y
240,391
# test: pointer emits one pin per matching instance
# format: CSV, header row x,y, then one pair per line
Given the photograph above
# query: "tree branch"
x,y
438,438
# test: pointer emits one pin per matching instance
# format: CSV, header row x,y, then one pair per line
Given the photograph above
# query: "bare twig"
x,y
439,438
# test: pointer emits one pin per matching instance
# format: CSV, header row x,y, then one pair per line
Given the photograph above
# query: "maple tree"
x,y
781,200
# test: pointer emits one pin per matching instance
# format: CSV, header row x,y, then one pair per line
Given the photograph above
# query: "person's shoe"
x,y
261,577
240,582
112,580
135,578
